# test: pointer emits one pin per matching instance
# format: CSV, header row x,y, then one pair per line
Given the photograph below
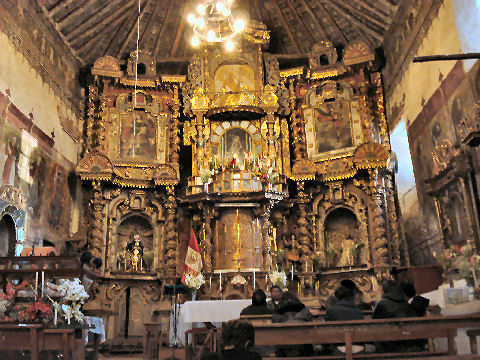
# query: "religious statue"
x,y
135,250
292,250
347,258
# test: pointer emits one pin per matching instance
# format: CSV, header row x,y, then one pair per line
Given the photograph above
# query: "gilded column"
x,y
171,233
97,203
270,120
174,129
266,236
393,220
208,215
92,98
299,150
303,229
380,109
380,242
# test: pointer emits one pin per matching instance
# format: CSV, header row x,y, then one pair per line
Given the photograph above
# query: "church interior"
x,y
174,157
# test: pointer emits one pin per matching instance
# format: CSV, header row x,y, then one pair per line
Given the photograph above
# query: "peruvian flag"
x,y
193,260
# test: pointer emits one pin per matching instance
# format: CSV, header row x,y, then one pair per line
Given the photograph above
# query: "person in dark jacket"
x,y
292,310
345,308
418,303
259,305
275,295
237,339
393,303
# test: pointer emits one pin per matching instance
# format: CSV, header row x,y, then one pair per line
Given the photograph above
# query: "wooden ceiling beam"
x,y
300,21
364,15
267,19
96,21
374,10
133,28
148,27
162,30
62,22
181,27
327,15
114,38
285,24
59,7
387,4
315,20
354,20
109,28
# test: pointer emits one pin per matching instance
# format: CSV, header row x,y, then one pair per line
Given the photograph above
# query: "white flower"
x,y
278,278
194,281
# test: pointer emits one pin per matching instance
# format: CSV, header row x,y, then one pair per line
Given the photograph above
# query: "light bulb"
x,y
201,9
210,36
191,19
220,6
229,45
225,12
195,41
239,25
200,22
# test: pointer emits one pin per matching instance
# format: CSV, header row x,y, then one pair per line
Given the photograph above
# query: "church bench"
x,y
367,331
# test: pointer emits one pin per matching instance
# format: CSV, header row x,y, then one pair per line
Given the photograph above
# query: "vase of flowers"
x,y
194,282
460,260
278,278
72,297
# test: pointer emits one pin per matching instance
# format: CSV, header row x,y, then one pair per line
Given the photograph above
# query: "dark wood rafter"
x,y
114,37
61,23
181,27
287,27
148,28
374,10
359,24
100,20
301,22
362,14
327,15
132,29
62,4
267,19
318,26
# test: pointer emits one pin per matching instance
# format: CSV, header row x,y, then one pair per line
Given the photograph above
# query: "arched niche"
x,y
343,245
235,142
7,236
127,228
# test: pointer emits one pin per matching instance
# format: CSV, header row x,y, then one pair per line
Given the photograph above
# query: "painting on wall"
x,y
138,136
234,78
332,126
235,143
37,172
10,156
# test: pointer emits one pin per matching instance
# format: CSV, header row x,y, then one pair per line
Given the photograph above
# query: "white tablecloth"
x,y
213,310
96,327
193,314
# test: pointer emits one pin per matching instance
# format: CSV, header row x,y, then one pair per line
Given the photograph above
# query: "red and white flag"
x,y
193,259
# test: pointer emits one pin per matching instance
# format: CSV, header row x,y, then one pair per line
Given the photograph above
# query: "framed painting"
x,y
235,143
138,136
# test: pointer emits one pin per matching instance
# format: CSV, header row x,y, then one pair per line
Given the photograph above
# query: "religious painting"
x,y
236,142
37,176
138,135
234,78
10,156
59,196
332,126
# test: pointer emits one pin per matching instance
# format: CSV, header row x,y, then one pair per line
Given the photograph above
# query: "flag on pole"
x,y
193,259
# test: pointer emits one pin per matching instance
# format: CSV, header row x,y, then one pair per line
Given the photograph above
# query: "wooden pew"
x,y
369,331
20,337
267,319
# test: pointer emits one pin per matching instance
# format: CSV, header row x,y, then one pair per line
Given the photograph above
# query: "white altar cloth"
x,y
213,310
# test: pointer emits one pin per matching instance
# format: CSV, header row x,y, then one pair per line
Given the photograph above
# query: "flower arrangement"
x,y
73,295
205,174
278,278
265,170
464,259
194,281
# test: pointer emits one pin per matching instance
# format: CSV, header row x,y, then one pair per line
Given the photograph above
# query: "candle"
x,y
474,278
210,282
125,262
306,266
141,264
43,279
292,271
253,279
36,282
220,281
55,317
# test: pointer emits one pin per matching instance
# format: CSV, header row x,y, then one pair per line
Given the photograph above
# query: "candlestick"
x,y
141,264
253,279
55,317
292,271
210,282
306,266
36,282
220,282
474,278
43,280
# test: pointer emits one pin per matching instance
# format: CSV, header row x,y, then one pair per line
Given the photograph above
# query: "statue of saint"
x,y
135,249
292,251
347,258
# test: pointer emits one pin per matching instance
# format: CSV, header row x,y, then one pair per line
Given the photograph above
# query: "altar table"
x,y
196,313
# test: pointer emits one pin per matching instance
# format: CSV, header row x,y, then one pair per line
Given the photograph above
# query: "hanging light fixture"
x,y
213,22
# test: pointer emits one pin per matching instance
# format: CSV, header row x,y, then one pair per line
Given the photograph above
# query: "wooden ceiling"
x,y
94,28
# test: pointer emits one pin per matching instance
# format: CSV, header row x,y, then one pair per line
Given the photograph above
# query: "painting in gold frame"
x,y
138,136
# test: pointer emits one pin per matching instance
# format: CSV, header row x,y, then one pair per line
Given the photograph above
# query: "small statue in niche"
x,y
135,250
347,258
292,250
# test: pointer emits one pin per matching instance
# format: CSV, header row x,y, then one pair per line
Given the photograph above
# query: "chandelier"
x,y
214,23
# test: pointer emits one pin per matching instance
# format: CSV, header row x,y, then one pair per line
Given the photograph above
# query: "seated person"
x,y
418,303
291,310
275,294
259,305
344,309
393,303
237,338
